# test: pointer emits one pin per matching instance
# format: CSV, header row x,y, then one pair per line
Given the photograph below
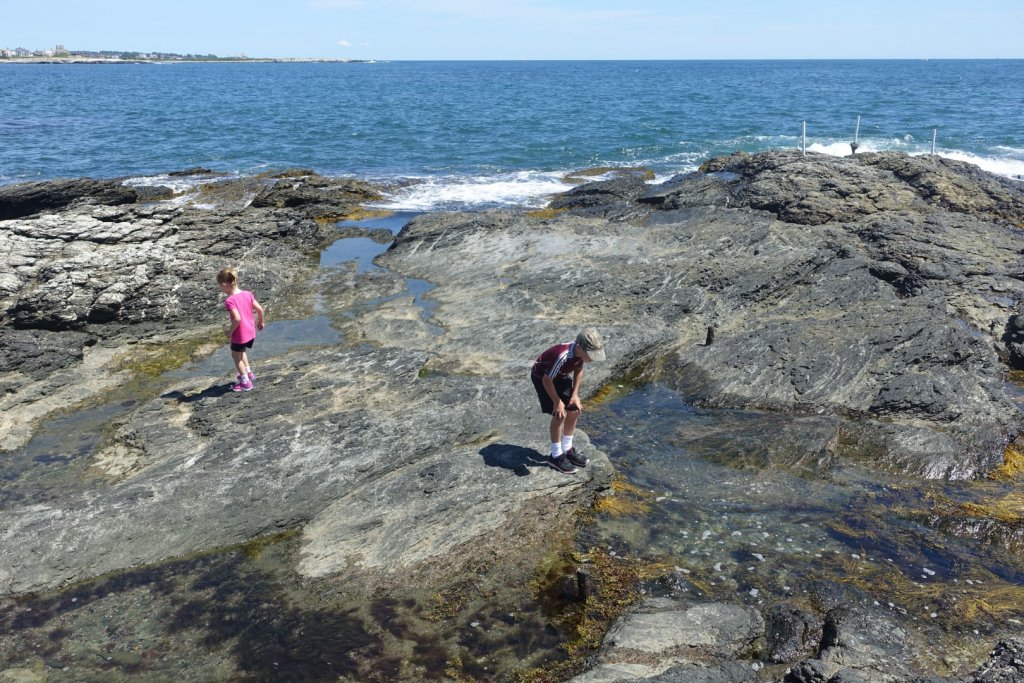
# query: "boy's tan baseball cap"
x,y
591,342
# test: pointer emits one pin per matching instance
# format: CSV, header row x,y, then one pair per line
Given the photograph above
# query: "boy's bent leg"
x,y
556,429
571,416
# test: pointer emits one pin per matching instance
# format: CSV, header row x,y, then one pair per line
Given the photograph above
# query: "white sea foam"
x,y
178,184
528,189
1007,166
1009,163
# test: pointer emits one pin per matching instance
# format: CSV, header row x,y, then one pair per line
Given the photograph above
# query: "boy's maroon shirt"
x,y
558,361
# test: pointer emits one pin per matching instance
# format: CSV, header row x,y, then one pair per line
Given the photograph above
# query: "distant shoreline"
x,y
246,60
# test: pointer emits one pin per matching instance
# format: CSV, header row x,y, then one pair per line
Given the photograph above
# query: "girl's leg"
x,y
239,358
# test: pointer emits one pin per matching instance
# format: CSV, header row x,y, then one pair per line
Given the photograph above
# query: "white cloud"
x,y
345,43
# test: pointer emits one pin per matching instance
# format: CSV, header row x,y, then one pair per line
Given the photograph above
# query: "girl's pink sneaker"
x,y
242,386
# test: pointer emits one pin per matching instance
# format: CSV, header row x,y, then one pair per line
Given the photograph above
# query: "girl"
x,y
242,332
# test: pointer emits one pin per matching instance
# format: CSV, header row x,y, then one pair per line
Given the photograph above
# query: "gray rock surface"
x,y
805,317
100,276
858,643
870,297
374,489
664,640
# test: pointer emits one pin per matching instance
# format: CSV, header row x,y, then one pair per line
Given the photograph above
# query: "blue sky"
x,y
526,29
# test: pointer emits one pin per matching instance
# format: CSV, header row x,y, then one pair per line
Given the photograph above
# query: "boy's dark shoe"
x,y
562,465
575,457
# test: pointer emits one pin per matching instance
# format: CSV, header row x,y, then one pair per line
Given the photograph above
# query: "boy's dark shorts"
x,y
242,347
563,387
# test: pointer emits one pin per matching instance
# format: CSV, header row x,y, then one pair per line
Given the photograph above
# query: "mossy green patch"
x,y
254,548
613,586
152,360
364,214
546,214
624,499
623,385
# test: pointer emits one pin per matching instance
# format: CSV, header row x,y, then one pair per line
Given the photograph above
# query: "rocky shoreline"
x,y
877,294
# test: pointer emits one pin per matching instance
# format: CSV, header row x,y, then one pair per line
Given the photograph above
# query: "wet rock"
x,y
27,199
859,645
791,633
1014,340
1005,664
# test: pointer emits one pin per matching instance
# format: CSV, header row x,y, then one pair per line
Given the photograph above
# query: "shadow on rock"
x,y
210,392
515,458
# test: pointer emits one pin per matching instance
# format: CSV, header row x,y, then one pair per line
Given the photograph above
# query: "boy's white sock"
x,y
566,442
556,450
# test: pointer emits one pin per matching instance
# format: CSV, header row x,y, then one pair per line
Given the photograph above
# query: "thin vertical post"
x,y
935,132
856,134
803,145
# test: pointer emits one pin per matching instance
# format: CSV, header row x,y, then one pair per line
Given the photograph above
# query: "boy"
x,y
559,393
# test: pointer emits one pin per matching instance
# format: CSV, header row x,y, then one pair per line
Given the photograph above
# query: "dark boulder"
x,y
1005,665
791,633
691,189
303,189
26,199
614,199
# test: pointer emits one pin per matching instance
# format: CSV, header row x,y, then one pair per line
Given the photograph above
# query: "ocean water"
x,y
481,134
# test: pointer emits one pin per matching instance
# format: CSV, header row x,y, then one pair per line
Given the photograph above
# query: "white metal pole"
x,y
934,133
803,145
856,132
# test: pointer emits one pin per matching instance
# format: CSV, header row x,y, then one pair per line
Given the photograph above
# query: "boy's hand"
x,y
574,404
259,325
559,410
